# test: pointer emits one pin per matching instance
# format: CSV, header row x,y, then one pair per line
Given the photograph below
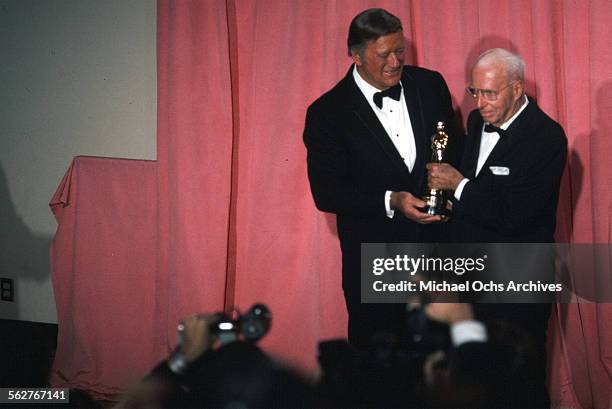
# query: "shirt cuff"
x,y
468,331
460,187
390,212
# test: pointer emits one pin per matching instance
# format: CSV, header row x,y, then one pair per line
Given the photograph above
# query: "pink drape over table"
x,y
104,273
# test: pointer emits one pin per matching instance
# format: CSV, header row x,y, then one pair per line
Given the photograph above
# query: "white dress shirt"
x,y
488,140
395,119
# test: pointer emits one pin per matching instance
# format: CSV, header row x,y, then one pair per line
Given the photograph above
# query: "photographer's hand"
x,y
196,336
460,316
449,313
167,379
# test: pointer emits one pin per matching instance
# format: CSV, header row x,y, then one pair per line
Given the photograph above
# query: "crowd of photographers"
x,y
453,361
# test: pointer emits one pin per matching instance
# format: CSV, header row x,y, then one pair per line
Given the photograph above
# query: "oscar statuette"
x,y
436,198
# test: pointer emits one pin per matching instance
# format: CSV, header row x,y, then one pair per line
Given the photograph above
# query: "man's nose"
x,y
393,60
480,100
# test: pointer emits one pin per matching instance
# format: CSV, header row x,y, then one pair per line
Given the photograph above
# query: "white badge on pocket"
x,y
500,170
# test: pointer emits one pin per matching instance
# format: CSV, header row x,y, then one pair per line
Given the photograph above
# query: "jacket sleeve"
x,y
333,188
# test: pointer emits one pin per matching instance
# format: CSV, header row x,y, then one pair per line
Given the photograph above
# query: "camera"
x,y
250,326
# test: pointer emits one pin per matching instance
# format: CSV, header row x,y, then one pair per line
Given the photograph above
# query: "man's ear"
x,y
356,58
519,88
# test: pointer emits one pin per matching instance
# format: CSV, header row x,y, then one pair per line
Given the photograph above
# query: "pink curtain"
x,y
264,62
194,154
235,220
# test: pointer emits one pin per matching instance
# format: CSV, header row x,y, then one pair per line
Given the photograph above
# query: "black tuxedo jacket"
x,y
352,161
514,197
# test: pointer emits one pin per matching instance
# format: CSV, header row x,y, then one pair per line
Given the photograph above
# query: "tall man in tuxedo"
x,y
368,140
507,186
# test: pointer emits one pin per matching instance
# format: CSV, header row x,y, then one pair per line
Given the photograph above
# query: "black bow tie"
x,y
393,92
492,128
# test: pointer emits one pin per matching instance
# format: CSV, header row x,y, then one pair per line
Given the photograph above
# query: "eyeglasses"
x,y
488,94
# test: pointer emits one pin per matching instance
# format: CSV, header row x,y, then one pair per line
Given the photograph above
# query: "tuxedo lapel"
x,y
412,96
499,151
368,118
512,136
470,158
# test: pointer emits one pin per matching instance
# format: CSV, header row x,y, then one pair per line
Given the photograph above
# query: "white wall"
x,y
77,77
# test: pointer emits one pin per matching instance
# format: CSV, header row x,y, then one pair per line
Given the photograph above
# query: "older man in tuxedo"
x,y
368,141
507,186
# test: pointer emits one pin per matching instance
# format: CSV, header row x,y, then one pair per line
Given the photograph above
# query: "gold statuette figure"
x,y
436,198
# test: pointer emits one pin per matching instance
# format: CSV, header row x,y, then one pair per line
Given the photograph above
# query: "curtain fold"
x,y
194,147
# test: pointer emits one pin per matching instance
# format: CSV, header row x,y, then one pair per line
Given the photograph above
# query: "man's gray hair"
x,y
514,65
